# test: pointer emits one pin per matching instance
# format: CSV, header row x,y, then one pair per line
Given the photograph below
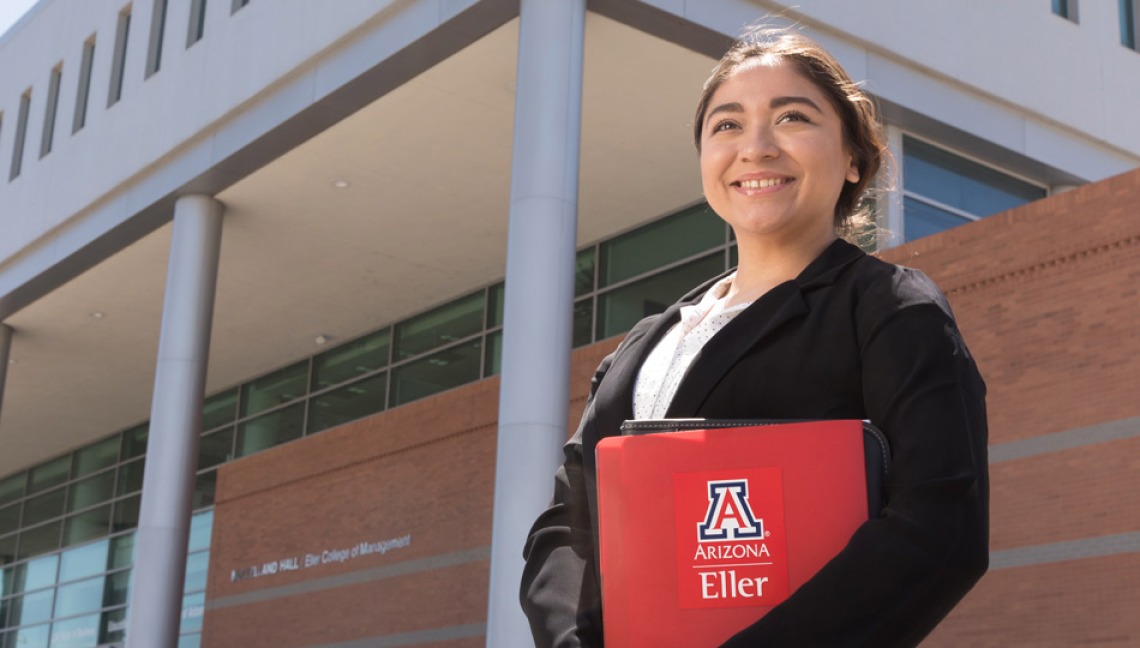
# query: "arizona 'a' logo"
x,y
729,517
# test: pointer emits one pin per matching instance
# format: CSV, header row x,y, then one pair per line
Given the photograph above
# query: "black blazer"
x,y
851,337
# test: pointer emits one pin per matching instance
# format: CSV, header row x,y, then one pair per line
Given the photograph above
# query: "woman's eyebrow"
x,y
731,106
780,102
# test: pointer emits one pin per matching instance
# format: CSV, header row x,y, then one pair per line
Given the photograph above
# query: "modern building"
x,y
281,283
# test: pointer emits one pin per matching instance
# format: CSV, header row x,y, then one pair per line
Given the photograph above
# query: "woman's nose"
x,y
759,145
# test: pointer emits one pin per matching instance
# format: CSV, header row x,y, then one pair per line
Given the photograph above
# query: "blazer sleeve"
x,y
900,574
560,593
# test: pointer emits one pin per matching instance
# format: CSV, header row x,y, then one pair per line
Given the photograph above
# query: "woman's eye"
x,y
723,126
793,116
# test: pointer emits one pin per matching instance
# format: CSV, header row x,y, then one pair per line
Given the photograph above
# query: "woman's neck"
x,y
763,266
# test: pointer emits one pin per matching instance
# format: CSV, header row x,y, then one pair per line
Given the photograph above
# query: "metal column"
x,y
5,350
176,413
537,327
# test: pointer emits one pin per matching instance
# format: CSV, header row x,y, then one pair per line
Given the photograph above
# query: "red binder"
x,y
706,525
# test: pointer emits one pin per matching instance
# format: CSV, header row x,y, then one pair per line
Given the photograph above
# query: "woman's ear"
x,y
853,172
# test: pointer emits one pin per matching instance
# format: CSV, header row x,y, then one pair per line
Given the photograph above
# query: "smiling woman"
x,y
806,327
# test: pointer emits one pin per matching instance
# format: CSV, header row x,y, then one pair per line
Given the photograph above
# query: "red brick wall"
x,y
1046,296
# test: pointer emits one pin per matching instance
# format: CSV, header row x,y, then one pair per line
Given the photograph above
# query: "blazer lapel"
x,y
779,306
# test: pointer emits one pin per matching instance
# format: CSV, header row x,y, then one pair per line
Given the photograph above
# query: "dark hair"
x,y
861,132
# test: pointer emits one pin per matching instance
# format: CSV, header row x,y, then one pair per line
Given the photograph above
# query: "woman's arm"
x,y
902,573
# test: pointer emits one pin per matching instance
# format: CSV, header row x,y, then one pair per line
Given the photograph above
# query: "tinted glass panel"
x,y
443,325
44,507
201,525
583,322
270,430
196,566
193,607
437,372
87,525
91,491
78,597
37,636
31,608
134,441
80,632
97,456
123,550
347,403
83,561
494,361
955,181
496,296
9,518
219,409
116,590
113,626
12,488
8,550
670,239
279,387
49,474
215,448
205,485
126,513
130,477
620,309
923,219
584,272
190,641
35,574
351,360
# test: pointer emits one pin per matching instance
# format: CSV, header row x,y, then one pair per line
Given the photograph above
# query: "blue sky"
x,y
11,10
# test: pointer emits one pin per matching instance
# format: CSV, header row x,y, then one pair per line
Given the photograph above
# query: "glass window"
x,y
584,272
493,363
620,309
205,485
443,370
193,607
215,448
1066,9
197,565
80,632
44,507
91,491
954,187
271,429
279,387
79,597
35,636
659,243
190,641
126,514
31,608
134,441
583,322
116,590
7,584
347,403
201,525
130,477
496,297
12,488
97,456
113,626
87,525
1128,27
9,518
83,561
123,550
8,550
49,474
362,356
36,574
219,409
435,328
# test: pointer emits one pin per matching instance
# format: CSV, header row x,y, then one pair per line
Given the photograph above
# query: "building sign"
x,y
309,560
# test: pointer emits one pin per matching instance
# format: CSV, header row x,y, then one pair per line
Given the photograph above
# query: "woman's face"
x,y
773,159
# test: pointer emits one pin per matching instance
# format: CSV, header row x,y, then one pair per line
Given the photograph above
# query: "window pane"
x,y
9,518
620,309
279,387
443,325
205,485
35,574
87,525
196,566
351,360
123,550
270,430
37,636
134,441
116,590
437,372
922,219
347,403
83,561
219,409
670,239
493,363
215,448
126,514
80,632
8,551
31,608
955,181
91,491
201,525
496,296
130,477
113,626
584,271
583,322
97,456
193,607
79,597
12,488
49,474
44,507
190,641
